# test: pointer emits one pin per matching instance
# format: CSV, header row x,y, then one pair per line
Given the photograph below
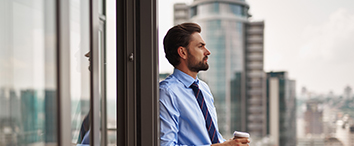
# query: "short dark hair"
x,y
177,36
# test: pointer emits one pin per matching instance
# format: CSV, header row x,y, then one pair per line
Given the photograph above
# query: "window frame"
x,y
137,73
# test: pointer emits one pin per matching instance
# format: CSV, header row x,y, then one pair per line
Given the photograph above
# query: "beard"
x,y
196,66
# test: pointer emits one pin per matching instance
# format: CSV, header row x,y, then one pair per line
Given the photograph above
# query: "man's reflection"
x,y
85,126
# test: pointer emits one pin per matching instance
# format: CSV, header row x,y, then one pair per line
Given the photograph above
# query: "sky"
x,y
313,40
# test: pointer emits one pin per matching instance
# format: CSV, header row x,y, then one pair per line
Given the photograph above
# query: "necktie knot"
x,y
194,86
195,89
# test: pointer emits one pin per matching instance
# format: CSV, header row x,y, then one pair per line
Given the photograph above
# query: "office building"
x,y
332,141
9,117
281,109
313,118
50,109
29,121
235,75
255,80
319,141
345,131
314,141
4,104
163,76
348,92
181,13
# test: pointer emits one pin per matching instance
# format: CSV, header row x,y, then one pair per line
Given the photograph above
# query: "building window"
x,y
215,8
236,9
193,11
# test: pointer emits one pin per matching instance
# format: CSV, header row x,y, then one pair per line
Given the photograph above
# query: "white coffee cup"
x,y
241,134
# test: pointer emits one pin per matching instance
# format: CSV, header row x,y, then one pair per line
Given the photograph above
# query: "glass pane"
x,y
28,73
102,7
80,70
111,73
103,101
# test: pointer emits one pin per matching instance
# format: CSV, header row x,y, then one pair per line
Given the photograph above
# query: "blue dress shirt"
x,y
181,119
86,139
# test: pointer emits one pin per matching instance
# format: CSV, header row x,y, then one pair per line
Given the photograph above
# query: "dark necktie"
x,y
209,122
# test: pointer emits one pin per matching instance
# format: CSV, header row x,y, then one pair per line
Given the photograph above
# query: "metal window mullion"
x,y
147,83
103,84
130,74
63,70
95,75
121,75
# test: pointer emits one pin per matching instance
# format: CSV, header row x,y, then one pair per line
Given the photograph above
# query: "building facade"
x,y
281,109
313,118
180,13
255,80
345,131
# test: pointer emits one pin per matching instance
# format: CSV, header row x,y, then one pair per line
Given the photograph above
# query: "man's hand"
x,y
234,142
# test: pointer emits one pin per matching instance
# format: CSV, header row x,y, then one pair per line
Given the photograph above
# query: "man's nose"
x,y
207,51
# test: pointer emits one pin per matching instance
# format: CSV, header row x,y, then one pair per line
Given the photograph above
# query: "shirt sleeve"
x,y
169,116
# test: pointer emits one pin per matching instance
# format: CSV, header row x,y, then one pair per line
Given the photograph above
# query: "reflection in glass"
x,y
102,7
79,70
28,73
110,72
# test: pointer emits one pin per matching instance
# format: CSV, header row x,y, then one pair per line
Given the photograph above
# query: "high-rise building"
x,y
255,80
163,76
4,104
50,109
29,121
9,117
235,76
181,13
313,118
281,109
333,142
348,92
315,141
345,131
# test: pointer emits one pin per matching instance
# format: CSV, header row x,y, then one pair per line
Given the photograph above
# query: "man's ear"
x,y
182,52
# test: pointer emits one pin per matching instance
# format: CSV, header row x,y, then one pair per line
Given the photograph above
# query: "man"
x,y
84,135
187,112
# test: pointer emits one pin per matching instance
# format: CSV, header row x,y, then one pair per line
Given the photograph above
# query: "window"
x,y
28,84
193,11
47,88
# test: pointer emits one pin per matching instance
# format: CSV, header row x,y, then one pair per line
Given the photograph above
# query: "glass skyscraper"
x,y
30,121
235,75
281,109
223,29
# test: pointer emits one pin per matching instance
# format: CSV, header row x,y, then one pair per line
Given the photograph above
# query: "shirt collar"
x,y
186,79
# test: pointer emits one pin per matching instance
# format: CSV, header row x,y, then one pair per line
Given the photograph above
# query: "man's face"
x,y
89,59
197,53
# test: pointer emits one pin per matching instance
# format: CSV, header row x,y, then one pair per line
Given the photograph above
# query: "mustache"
x,y
206,57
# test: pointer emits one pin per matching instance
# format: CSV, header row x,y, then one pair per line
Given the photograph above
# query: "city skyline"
x,y
310,40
